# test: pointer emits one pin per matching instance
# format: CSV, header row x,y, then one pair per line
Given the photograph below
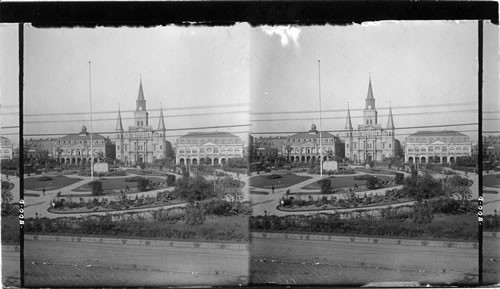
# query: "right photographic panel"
x,y
364,154
491,155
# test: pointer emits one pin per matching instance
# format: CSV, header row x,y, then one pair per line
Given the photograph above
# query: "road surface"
x,y
289,261
11,269
57,263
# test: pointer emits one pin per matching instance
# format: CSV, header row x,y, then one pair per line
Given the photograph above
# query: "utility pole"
x,y
91,130
320,120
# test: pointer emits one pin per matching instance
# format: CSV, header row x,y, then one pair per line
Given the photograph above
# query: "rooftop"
x,y
438,133
207,134
77,136
311,135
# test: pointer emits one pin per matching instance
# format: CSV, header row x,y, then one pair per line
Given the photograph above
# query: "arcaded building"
x,y
443,146
306,147
370,141
80,147
210,148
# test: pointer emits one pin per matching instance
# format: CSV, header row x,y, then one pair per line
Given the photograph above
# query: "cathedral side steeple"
x,y
161,122
390,120
119,125
348,122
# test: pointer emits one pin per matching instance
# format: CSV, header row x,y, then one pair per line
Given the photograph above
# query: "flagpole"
x,y
91,130
320,124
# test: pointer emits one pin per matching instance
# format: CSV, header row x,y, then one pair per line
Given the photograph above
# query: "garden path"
x,y
40,204
267,203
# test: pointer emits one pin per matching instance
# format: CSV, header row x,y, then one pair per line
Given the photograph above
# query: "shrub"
x,y
44,178
170,180
372,182
399,179
194,214
143,185
96,188
326,186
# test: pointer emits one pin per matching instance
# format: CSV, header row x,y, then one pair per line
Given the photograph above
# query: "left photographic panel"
x,y
136,156
9,153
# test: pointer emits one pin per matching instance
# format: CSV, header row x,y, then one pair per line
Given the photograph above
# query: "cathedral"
x,y
141,143
369,142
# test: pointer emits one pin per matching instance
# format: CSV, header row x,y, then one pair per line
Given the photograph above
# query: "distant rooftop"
x,y
438,133
208,134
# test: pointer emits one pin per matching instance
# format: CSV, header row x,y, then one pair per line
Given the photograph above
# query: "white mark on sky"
x,y
286,33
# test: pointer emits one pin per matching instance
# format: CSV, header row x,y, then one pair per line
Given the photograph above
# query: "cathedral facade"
x,y
370,141
141,143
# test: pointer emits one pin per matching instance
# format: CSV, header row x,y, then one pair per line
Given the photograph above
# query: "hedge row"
x,y
400,226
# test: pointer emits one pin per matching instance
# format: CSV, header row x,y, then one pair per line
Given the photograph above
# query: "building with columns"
x,y
210,148
437,146
6,148
76,149
370,141
305,147
141,143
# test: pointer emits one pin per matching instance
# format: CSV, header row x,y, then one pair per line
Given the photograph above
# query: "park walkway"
x,y
266,204
40,204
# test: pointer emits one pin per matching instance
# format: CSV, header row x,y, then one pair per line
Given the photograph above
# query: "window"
x,y
347,145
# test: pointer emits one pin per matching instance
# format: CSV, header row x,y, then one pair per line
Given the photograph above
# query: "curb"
x,y
491,234
376,240
11,248
140,242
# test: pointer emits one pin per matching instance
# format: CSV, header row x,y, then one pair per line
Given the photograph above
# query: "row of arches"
x,y
424,160
306,159
76,160
78,152
202,161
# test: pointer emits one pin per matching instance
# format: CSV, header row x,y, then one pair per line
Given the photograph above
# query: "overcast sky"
x,y
415,64
212,76
201,73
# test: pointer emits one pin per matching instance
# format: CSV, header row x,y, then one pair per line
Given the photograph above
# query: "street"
x,y
288,261
11,268
53,263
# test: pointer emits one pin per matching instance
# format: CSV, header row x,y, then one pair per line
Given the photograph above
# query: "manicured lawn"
x,y
115,184
342,182
491,181
263,182
57,182
258,193
375,171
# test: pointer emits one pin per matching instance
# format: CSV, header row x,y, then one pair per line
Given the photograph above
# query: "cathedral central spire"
x,y
370,113
141,102
370,100
141,114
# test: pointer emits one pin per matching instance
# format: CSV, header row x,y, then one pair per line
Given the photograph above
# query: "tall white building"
x,y
6,148
443,146
141,143
210,148
370,141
